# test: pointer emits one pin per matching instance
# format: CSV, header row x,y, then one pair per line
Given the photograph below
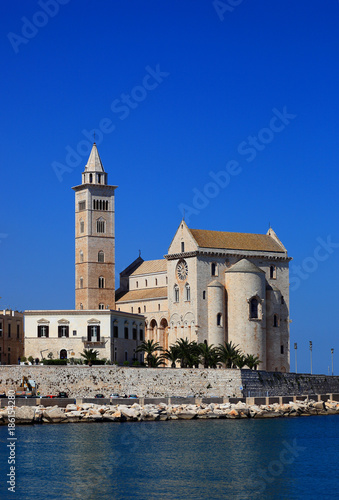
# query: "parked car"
x,y
133,396
99,396
3,395
112,396
62,395
50,396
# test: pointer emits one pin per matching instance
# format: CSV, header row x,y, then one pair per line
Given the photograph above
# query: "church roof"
x,y
151,266
94,162
244,266
145,293
236,241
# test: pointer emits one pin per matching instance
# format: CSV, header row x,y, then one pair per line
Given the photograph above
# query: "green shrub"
x,y
23,359
55,361
126,363
95,361
136,363
30,358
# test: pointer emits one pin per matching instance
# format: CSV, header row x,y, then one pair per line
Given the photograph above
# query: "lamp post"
x,y
332,351
295,350
311,355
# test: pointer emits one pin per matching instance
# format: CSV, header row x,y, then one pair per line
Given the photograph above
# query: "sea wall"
x,y
83,381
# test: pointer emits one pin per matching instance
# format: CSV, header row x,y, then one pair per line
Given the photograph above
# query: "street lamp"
x,y
332,351
311,354
295,350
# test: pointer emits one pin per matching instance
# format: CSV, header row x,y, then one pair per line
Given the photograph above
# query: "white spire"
x,y
94,162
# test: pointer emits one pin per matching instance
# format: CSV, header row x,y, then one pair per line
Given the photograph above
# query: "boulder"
x,y
129,413
53,415
24,414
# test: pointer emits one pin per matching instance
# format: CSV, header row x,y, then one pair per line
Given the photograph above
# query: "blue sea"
x,y
293,458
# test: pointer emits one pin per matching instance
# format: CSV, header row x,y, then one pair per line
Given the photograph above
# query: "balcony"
x,y
90,344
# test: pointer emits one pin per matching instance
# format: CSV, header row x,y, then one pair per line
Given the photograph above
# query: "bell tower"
x,y
94,238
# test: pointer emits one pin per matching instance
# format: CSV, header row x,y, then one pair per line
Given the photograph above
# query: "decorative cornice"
x,y
213,253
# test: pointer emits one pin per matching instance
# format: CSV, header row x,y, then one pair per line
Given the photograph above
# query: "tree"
x,y
89,355
209,355
172,355
240,361
150,348
188,353
228,354
252,362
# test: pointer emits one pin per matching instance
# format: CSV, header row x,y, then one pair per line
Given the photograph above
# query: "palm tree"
x,y
154,361
89,355
172,354
228,354
209,355
240,361
188,353
149,347
252,362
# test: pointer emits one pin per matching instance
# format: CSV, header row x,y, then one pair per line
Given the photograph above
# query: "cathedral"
x,y
211,286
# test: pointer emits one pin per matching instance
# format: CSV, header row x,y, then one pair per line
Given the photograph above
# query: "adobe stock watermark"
x,y
222,7
30,27
248,148
121,107
310,264
266,476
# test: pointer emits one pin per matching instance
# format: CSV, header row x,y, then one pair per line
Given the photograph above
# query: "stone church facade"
x,y
215,286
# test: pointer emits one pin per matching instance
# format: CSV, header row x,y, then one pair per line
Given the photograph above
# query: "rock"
x,y
71,407
24,414
129,413
53,415
319,405
187,414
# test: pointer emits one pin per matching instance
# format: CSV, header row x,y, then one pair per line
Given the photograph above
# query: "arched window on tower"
x,y
81,253
275,321
188,292
81,282
273,272
214,269
82,226
101,225
101,282
101,256
254,308
219,319
90,178
176,293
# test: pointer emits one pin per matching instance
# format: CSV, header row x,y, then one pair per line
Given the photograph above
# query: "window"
x,y
144,309
156,281
82,226
74,333
101,306
101,282
182,246
166,280
145,282
141,335
81,305
81,282
281,349
101,256
9,330
158,307
81,255
135,333
214,269
101,226
273,272
139,310
254,308
275,320
115,331
131,309
63,331
1,327
18,330
93,333
100,205
90,178
188,292
219,319
99,178
204,295
126,332
82,205
137,284
282,299
176,293
43,330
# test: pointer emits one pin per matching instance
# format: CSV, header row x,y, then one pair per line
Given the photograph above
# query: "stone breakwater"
x,y
90,412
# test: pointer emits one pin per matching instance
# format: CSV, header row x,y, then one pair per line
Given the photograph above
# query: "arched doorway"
x,y
63,354
153,328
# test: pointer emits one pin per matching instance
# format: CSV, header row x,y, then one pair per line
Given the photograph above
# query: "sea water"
x,y
283,458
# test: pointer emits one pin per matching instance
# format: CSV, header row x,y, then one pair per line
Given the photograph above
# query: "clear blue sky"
x,y
220,76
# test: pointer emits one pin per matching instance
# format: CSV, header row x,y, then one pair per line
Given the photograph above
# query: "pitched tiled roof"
x,y
236,241
146,293
151,266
